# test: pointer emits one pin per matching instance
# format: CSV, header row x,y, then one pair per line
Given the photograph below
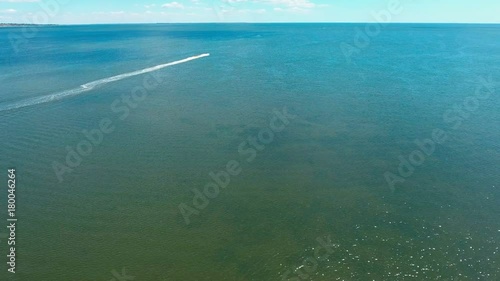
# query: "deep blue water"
x,y
322,175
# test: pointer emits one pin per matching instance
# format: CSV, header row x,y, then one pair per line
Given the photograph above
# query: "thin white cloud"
x,y
20,1
293,3
175,5
304,4
8,11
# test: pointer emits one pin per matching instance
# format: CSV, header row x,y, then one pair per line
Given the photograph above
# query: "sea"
x,y
251,152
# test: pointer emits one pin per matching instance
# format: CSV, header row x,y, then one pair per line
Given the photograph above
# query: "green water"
x,y
323,175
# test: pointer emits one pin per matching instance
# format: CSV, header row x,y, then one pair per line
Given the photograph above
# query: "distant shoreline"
x,y
24,24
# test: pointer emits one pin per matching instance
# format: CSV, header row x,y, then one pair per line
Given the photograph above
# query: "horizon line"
x,y
249,22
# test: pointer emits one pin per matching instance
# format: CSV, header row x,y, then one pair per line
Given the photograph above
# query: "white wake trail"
x,y
90,86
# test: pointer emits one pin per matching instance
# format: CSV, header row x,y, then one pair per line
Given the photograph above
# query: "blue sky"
x,y
135,11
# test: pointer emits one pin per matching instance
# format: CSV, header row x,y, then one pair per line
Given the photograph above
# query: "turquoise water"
x,y
322,175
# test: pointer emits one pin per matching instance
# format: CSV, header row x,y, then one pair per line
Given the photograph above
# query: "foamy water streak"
x,y
90,86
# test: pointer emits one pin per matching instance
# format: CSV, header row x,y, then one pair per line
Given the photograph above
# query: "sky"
x,y
153,11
